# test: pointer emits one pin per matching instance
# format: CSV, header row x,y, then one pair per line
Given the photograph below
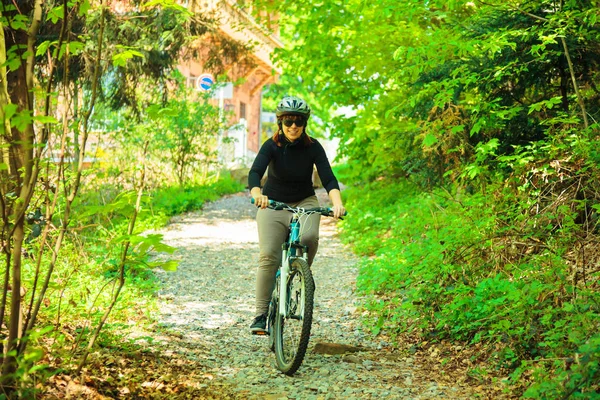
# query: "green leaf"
x,y
10,110
535,107
156,111
43,47
55,14
45,119
38,367
477,126
458,129
170,265
84,7
22,120
120,59
168,4
76,47
19,22
430,140
34,354
151,242
13,60
552,102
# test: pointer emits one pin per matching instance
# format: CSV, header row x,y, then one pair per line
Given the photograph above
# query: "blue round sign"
x,y
205,82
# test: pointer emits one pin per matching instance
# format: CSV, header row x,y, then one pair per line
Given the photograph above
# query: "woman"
x,y
290,155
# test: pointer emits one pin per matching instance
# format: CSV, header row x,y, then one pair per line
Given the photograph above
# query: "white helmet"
x,y
292,105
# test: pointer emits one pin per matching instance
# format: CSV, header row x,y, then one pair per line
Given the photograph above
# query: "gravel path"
x,y
207,304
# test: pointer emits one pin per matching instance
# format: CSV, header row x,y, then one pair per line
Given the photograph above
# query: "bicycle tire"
x,y
293,333
272,314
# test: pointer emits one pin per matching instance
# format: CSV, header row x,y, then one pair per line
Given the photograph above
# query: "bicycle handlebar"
x,y
277,205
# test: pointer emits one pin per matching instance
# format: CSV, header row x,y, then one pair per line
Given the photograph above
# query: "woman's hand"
x,y
338,211
336,200
260,200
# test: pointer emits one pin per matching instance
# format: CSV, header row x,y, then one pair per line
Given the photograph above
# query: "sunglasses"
x,y
300,122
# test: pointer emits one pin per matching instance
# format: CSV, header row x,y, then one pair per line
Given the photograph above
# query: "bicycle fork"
x,y
289,251
285,271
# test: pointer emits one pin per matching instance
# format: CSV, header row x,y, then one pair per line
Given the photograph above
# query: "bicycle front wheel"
x,y
293,332
272,313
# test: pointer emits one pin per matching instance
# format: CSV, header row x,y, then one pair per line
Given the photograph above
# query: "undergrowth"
x,y
86,273
486,268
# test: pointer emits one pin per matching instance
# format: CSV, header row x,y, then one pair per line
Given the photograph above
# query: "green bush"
x,y
476,268
92,252
173,200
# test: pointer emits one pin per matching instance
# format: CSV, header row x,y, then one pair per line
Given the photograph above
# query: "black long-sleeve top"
x,y
289,178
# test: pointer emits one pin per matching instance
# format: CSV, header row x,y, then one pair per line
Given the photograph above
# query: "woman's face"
x,y
296,126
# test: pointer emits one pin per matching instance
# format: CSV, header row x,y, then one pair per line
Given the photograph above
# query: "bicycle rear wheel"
x,y
293,332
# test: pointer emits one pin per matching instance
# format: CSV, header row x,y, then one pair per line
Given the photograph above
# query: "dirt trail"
x,y
207,305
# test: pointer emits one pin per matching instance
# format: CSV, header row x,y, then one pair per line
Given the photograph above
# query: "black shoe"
x,y
259,325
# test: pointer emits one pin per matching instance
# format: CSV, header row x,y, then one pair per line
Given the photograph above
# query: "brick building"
x,y
242,102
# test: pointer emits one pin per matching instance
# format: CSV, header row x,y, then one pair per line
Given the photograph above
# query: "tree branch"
x,y
580,101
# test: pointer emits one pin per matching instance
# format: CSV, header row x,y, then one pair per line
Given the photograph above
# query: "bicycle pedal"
x,y
261,333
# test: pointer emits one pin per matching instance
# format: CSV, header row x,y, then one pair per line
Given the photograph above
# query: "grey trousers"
x,y
272,232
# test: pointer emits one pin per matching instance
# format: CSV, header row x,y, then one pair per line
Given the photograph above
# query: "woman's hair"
x,y
278,137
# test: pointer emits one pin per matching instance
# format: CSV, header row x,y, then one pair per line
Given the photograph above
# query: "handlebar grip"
x,y
330,210
271,202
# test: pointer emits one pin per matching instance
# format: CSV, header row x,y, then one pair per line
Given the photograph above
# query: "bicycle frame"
x,y
291,246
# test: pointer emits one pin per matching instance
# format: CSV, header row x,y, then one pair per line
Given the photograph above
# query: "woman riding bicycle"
x,y
290,155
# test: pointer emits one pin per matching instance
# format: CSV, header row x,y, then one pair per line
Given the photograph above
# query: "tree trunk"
x,y
21,173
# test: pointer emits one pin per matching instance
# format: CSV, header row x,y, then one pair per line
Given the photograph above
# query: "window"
x,y
242,110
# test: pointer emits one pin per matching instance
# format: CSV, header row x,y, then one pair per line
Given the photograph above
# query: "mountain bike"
x,y
289,317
